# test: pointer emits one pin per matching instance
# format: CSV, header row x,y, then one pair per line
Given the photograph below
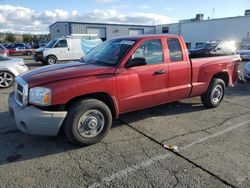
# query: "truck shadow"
x,y
16,146
240,89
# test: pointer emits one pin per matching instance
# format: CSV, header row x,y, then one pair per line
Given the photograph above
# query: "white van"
x,y
66,48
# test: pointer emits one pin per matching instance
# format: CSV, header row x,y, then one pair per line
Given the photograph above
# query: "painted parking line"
x,y
155,159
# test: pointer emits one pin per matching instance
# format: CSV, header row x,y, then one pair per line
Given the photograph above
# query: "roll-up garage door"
x,y
100,31
133,32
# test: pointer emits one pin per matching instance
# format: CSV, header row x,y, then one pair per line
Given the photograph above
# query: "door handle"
x,y
160,72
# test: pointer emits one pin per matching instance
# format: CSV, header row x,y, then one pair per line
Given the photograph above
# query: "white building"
x,y
197,30
105,31
194,31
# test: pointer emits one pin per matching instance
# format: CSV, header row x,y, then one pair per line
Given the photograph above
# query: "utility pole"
x,y
213,13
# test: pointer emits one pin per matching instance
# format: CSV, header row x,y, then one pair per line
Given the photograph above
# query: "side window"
x,y
175,51
150,50
61,44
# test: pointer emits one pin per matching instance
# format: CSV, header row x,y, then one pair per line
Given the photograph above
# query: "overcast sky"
x,y
32,16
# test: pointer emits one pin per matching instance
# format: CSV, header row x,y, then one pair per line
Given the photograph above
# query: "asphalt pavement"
x,y
213,148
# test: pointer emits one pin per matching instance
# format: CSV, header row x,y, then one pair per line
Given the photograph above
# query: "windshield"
x,y
51,43
109,52
2,47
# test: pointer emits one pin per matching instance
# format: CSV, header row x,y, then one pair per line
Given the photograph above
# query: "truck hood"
x,y
58,72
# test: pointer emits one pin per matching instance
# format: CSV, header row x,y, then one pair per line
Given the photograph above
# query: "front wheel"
x,y
215,93
88,121
51,60
6,79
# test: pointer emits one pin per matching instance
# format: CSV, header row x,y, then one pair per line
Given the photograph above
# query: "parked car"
x,y
9,69
66,49
42,44
3,50
213,48
247,71
118,76
244,53
19,49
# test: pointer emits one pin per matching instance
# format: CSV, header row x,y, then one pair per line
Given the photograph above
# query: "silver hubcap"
x,y
6,79
217,94
51,60
91,123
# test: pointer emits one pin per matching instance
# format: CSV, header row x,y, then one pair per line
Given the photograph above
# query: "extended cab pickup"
x,y
118,76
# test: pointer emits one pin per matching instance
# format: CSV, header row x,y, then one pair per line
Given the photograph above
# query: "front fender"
x,y
11,70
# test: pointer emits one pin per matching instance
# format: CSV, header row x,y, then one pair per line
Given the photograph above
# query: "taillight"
x,y
5,52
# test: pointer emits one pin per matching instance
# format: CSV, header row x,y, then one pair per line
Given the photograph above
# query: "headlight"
x,y
40,96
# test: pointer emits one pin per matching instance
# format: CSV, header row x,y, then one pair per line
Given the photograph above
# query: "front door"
x,y
62,50
144,86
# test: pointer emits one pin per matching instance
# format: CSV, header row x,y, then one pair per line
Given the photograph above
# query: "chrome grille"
x,y
21,92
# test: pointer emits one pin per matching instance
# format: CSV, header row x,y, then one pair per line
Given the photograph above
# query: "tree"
x,y
36,41
27,38
10,37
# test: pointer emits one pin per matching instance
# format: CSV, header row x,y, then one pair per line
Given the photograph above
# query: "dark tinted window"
x,y
175,51
62,44
165,29
150,50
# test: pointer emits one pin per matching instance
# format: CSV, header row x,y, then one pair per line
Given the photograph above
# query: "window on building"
x,y
175,51
134,31
165,29
150,50
61,44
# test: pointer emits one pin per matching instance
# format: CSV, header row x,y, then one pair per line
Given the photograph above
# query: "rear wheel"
x,y
6,79
88,121
51,60
215,93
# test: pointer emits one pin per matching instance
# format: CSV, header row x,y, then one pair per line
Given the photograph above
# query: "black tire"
x,y
51,60
78,111
214,94
7,79
29,53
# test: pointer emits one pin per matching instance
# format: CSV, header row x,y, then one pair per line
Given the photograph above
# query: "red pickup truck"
x,y
118,76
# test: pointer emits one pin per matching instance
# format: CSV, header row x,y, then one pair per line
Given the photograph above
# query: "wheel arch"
x,y
10,70
53,55
222,75
102,96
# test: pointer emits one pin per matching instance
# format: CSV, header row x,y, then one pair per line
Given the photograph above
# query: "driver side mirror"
x,y
138,61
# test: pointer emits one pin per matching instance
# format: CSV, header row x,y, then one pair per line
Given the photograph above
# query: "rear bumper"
x,y
32,120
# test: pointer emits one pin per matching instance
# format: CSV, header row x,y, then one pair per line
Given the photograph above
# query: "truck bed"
x,y
204,68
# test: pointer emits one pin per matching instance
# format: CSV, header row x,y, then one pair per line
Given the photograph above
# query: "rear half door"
x,y
179,70
144,86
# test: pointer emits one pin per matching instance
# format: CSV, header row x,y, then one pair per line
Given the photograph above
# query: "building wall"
x,y
81,28
59,29
111,30
235,28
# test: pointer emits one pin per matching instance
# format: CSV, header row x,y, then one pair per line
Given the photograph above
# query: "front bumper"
x,y
32,120
39,57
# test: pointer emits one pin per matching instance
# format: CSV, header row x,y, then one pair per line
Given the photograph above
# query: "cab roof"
x,y
138,37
